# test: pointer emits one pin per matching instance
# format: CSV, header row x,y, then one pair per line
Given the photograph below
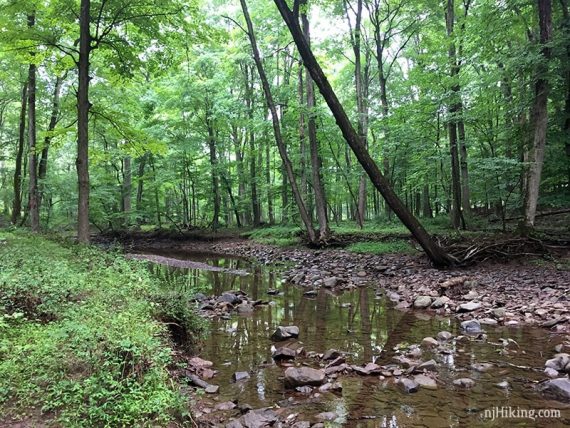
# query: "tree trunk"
x,y
83,106
240,174
42,169
432,249
249,99
33,203
140,183
452,121
270,210
361,83
232,200
540,114
566,126
17,204
156,195
318,188
214,165
277,127
127,186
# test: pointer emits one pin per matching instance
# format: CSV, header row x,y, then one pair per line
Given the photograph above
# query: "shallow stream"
x,y
362,324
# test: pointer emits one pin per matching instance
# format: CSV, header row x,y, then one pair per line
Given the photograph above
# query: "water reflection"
x,y
368,328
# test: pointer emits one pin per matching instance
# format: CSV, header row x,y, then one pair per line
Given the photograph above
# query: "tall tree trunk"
x,y
17,203
566,125
215,181
240,174
380,42
249,99
83,106
540,114
277,127
270,210
432,249
318,188
361,83
42,169
140,183
127,189
156,194
232,200
33,204
452,121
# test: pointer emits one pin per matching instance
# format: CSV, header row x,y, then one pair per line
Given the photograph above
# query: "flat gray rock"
x,y
301,376
471,326
469,307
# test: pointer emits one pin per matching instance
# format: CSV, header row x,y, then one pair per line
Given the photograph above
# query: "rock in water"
x,y
284,333
559,362
464,382
558,389
230,298
422,302
302,376
281,354
471,326
408,385
440,302
245,308
212,389
331,354
425,381
240,376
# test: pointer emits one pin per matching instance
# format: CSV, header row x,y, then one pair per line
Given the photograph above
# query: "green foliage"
x,y
282,236
398,246
81,336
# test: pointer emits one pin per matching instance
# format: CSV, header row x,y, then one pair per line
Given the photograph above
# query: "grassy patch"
x,y
399,246
282,236
81,337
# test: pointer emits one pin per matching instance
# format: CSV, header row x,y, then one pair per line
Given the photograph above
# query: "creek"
x,y
365,326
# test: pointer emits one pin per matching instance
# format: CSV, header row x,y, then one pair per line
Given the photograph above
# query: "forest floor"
x,y
529,288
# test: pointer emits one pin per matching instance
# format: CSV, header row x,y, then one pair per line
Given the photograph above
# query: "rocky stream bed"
x,y
331,338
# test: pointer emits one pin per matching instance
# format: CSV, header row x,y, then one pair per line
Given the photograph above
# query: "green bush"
x,y
80,336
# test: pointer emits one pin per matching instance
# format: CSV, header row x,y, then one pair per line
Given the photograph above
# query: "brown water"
x,y
363,324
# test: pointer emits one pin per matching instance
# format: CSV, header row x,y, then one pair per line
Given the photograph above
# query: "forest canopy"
x,y
189,114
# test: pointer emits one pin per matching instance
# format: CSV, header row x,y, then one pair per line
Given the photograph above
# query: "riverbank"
x,y
83,338
508,292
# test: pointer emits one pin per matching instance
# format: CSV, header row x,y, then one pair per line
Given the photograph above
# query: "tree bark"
x,y
566,126
127,189
269,184
540,114
83,106
42,169
277,127
452,121
249,99
33,204
361,83
432,249
140,183
318,188
17,203
215,181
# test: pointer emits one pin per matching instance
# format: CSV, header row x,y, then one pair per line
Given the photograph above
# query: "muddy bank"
x,y
499,293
